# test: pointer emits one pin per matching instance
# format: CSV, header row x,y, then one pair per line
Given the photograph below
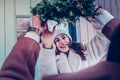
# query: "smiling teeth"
x,y
63,46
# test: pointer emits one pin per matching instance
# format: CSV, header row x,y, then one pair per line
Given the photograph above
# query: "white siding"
x,y
2,32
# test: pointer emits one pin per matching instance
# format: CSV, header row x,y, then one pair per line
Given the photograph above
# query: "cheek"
x,y
57,45
68,42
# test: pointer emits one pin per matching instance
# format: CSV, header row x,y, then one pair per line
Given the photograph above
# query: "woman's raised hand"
x,y
48,36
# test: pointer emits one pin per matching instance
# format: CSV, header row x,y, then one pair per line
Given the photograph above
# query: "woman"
x,y
59,55
106,70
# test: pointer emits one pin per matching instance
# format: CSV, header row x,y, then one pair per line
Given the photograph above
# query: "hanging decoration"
x,y
64,10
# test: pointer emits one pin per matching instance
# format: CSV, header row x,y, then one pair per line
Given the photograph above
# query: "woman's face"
x,y
62,42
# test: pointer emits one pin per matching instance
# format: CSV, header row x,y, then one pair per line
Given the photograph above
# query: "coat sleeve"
x,y
47,62
110,27
20,63
98,45
108,22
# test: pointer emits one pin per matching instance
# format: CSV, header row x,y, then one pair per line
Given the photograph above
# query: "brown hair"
x,y
79,49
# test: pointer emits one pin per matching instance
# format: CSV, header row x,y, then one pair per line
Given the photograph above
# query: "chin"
x,y
64,51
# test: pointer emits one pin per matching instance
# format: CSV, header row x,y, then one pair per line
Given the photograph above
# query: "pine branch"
x,y
64,10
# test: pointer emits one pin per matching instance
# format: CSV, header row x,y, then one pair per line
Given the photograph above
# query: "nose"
x,y
61,41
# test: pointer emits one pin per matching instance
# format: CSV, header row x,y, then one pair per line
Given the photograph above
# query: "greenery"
x,y
64,10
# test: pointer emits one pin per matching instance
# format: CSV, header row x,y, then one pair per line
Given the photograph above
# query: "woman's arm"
x,y
46,63
98,45
109,23
20,63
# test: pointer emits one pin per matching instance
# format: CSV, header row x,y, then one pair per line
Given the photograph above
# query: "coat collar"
x,y
68,64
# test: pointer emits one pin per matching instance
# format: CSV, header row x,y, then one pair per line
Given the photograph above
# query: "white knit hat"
x,y
59,29
62,31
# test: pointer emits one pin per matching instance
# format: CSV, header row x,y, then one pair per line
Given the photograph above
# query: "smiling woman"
x,y
107,70
60,55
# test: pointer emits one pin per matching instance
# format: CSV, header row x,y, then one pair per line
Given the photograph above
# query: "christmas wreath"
x,y
64,10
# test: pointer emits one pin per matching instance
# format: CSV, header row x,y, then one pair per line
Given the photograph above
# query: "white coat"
x,y
48,63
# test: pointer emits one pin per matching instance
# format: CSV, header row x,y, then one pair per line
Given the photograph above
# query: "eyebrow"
x,y
61,35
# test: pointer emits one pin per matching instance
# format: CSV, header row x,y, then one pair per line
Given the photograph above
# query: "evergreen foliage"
x,y
64,10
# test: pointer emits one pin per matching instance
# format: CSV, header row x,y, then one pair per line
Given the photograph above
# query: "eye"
x,y
63,36
57,40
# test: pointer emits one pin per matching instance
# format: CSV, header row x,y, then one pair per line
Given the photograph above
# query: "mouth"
x,y
64,46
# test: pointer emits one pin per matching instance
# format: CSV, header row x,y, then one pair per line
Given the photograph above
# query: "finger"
x,y
45,28
54,29
46,25
37,15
